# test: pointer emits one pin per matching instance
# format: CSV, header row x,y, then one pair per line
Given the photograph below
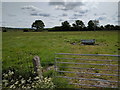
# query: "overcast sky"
x,y
23,14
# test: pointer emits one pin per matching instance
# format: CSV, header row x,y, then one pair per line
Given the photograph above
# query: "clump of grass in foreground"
x,y
58,82
49,73
62,83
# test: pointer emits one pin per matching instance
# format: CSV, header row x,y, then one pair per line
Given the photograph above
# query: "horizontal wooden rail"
x,y
86,63
89,73
84,59
85,68
87,54
91,85
87,79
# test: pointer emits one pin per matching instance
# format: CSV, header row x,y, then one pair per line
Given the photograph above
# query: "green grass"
x,y
19,48
24,46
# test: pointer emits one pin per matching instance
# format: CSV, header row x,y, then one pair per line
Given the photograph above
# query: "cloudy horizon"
x,y
23,14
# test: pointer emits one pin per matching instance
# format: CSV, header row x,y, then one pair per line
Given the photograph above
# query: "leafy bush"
x,y
10,81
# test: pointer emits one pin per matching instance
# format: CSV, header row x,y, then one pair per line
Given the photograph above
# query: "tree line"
x,y
78,25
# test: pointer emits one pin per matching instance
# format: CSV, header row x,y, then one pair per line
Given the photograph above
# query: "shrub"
x,y
10,81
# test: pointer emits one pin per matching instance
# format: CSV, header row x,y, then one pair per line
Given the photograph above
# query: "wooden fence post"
x,y
37,66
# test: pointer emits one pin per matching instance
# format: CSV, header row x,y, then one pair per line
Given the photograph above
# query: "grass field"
x,y
18,48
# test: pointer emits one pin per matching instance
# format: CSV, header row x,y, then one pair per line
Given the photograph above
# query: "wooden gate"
x,y
88,70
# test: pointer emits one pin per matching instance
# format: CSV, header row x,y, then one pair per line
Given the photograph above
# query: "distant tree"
x,y
93,24
79,25
102,27
112,27
66,25
96,24
116,27
57,28
74,25
38,25
108,27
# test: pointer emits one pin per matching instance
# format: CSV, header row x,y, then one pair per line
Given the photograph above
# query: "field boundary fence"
x,y
66,60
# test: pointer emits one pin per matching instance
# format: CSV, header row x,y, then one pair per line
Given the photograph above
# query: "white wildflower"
x,y
22,81
37,78
20,76
16,82
12,86
5,80
6,84
6,75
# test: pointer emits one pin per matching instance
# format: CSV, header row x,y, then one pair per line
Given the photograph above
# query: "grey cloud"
x,y
34,14
72,5
95,14
34,11
73,18
77,15
101,18
65,5
30,7
64,14
40,14
83,12
61,7
60,19
85,7
44,14
56,2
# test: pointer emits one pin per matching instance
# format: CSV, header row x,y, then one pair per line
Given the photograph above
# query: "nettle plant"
x,y
9,81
